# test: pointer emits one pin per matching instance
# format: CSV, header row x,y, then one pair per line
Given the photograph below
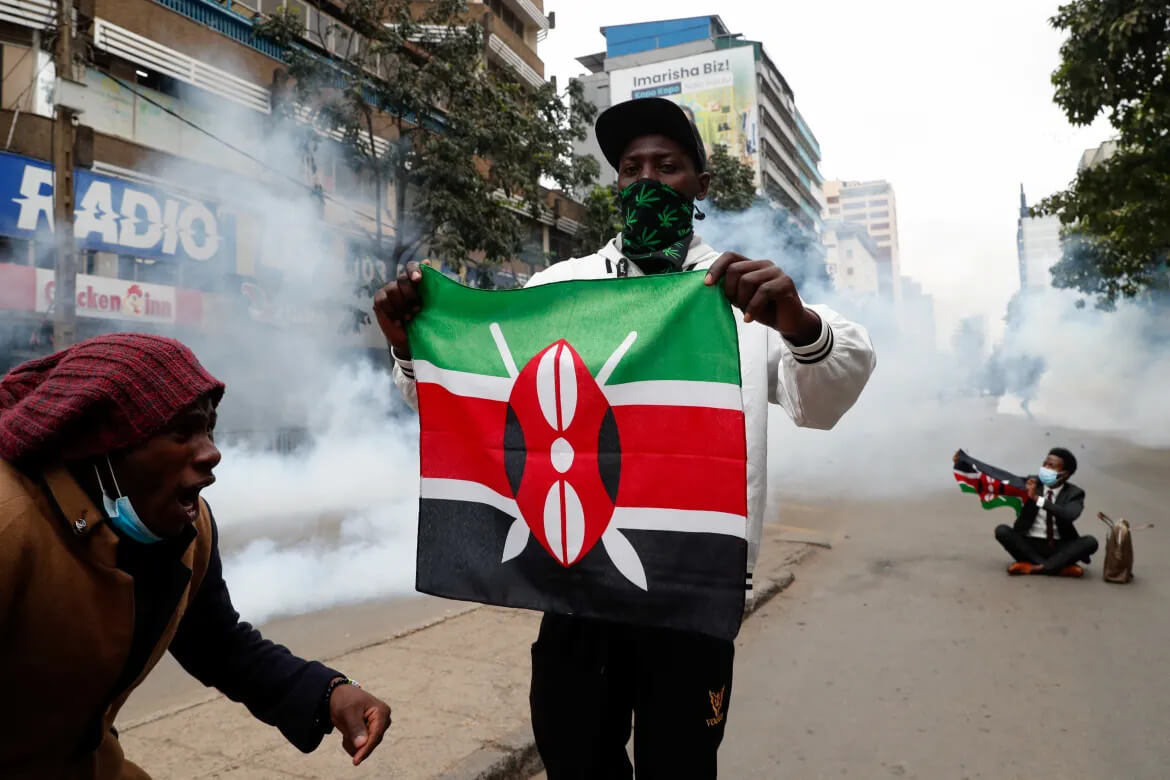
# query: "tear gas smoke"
x,y
333,520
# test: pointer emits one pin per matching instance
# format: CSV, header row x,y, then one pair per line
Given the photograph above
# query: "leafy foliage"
x,y
602,221
463,136
1116,61
733,184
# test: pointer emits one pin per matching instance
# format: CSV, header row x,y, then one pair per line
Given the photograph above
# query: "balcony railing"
x,y
513,59
35,14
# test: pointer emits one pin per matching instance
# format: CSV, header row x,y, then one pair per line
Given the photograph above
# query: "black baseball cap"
x,y
619,125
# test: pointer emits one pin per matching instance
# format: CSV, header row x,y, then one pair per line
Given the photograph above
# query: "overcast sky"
x,y
951,102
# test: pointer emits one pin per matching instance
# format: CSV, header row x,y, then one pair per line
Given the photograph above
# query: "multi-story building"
x,y
1039,246
1097,155
872,205
851,259
732,89
187,200
1040,240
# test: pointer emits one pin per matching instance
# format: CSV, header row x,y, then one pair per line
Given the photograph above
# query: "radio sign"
x,y
112,215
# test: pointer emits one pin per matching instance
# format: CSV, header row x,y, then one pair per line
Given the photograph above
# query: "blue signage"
x,y
114,215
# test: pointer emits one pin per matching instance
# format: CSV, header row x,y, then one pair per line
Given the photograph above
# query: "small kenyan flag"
x,y
583,450
995,487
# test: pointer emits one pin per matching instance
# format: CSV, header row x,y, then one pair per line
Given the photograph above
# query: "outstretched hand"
x,y
361,718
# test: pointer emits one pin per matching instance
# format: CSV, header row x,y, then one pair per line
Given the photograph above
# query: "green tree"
x,y
602,221
733,184
466,137
1116,61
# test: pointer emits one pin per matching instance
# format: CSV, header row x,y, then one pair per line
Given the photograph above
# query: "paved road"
x,y
907,652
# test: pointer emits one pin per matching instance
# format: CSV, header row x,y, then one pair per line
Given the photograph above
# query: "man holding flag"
x,y
590,675
1044,539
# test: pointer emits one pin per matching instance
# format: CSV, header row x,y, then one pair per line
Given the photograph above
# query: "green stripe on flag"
x,y
693,329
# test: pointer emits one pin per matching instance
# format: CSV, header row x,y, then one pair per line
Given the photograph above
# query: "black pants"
x,y
589,677
1029,549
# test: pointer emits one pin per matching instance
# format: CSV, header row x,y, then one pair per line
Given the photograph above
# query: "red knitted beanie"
x,y
98,396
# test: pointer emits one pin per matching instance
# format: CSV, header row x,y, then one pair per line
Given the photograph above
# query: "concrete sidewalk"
x,y
458,690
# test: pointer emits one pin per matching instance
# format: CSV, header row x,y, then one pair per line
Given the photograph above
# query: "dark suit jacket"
x,y
1070,502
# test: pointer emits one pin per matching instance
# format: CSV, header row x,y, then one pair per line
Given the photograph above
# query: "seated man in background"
x,y
109,558
1044,539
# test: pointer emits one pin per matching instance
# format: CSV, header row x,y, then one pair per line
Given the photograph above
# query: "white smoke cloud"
x,y
332,523
1103,371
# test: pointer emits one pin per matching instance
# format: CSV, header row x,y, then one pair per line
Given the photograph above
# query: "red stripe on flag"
x,y
970,479
673,457
682,457
462,437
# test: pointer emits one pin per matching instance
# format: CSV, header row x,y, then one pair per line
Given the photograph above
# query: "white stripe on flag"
x,y
660,392
464,490
624,517
464,383
668,392
682,520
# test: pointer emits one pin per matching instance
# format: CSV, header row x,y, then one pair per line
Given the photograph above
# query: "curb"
x,y
514,756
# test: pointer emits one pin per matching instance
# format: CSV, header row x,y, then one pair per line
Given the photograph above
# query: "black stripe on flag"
x,y
695,580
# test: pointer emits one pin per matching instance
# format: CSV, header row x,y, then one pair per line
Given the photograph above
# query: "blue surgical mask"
x,y
121,512
1048,476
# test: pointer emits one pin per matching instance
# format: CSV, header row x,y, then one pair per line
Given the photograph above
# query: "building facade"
x,y
732,89
872,205
851,259
1039,246
194,216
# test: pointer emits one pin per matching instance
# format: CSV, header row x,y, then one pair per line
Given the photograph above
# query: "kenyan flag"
x,y
583,451
995,487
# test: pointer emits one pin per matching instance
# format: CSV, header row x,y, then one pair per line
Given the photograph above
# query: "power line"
x,y
31,83
233,147
17,64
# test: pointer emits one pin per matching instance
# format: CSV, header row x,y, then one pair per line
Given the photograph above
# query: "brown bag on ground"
x,y
1118,551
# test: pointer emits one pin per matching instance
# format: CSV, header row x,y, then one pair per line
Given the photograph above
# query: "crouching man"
x,y
109,558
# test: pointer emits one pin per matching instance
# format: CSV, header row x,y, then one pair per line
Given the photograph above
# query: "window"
x,y
880,215
835,212
849,271
141,269
506,16
879,226
849,254
834,199
854,206
14,250
879,204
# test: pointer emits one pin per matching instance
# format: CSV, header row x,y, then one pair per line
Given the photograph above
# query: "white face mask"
x,y
121,512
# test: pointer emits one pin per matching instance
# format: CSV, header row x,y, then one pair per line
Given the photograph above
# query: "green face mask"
x,y
658,224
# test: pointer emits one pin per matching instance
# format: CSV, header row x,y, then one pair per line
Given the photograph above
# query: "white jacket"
x,y
815,384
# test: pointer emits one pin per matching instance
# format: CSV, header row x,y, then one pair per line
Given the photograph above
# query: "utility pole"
x,y
65,286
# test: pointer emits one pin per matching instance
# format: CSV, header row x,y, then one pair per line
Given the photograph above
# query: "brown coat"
x,y
66,624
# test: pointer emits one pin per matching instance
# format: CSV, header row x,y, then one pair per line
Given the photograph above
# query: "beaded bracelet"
x,y
333,685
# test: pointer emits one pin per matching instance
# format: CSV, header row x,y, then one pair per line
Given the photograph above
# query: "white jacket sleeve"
x,y
404,381
818,383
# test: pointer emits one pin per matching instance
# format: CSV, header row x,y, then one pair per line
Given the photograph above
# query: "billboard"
x,y
114,215
717,88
